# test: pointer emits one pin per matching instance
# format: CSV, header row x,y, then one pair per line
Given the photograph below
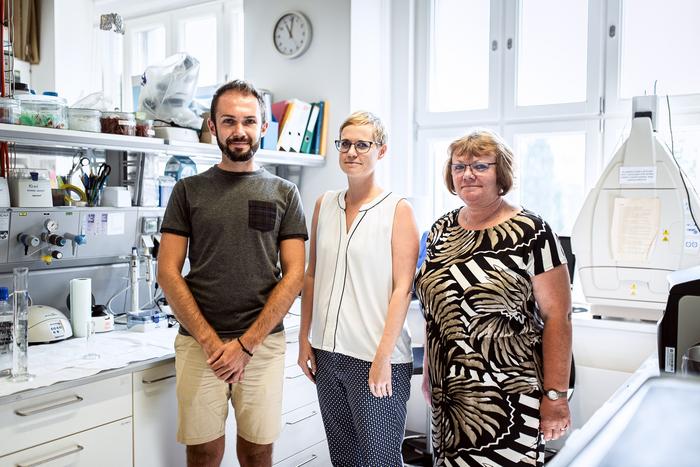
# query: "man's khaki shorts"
x,y
202,398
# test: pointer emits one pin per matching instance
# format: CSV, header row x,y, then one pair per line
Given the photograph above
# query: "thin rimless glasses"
x,y
477,167
361,147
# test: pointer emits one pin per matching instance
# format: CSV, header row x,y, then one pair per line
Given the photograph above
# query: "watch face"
x,y
292,34
554,395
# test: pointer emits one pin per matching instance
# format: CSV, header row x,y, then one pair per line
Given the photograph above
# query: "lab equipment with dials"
x,y
637,225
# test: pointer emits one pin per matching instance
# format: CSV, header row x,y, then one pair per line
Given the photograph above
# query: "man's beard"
x,y
238,156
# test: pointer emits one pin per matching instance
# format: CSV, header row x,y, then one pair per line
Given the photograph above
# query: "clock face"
x,y
292,34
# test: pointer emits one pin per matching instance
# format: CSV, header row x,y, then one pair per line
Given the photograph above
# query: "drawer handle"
x,y
313,413
157,380
48,406
310,459
295,376
75,450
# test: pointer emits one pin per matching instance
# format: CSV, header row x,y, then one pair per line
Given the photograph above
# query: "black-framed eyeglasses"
x,y
361,147
478,167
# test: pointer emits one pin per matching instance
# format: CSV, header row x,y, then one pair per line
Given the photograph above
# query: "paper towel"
x,y
80,305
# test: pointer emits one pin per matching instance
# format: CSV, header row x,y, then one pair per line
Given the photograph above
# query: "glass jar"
x,y
43,111
145,128
9,110
118,123
84,120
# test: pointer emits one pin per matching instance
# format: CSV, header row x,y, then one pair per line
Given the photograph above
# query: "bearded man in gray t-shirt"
x,y
243,231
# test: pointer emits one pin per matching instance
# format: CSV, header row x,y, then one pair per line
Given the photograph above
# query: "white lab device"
x,y
636,226
47,324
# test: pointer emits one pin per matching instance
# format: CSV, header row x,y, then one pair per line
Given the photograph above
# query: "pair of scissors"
x,y
78,164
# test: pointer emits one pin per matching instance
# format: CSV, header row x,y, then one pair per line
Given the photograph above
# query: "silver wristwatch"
x,y
553,394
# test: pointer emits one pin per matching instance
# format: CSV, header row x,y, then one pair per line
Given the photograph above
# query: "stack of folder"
x,y
303,126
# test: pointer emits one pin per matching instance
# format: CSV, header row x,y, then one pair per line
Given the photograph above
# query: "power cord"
x,y
680,169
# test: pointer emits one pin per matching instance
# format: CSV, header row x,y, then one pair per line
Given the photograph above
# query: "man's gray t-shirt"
x,y
235,222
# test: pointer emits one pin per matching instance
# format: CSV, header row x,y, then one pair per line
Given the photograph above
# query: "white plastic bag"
x,y
167,91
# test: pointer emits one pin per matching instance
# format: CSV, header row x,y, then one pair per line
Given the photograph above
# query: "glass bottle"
x,y
6,320
21,314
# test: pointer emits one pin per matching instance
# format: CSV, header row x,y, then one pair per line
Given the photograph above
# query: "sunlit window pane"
x,y
200,41
659,43
552,52
459,56
551,176
686,146
443,200
149,49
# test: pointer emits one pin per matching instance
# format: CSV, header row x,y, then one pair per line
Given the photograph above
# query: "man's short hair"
x,y
242,87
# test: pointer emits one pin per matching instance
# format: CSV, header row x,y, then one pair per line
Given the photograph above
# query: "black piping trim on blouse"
x,y
342,293
335,271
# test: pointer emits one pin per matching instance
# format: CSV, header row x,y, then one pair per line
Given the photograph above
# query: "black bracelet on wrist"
x,y
248,352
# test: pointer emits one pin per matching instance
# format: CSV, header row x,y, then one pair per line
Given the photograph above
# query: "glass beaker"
x,y
20,300
90,341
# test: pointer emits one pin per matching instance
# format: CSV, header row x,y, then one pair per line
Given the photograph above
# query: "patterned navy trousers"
x,y
362,430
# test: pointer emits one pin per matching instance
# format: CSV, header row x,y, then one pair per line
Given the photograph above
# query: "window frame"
x,y
594,92
425,34
616,106
229,36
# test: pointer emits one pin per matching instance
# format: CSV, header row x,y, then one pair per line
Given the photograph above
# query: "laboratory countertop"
x,y
578,438
61,365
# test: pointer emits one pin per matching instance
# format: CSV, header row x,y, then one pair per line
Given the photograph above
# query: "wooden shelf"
x,y
51,137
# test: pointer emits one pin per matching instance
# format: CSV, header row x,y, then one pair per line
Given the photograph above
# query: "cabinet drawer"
x,y
36,420
298,390
315,456
107,446
301,429
155,418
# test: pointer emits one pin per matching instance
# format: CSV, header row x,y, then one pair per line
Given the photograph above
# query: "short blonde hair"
x,y
362,117
481,143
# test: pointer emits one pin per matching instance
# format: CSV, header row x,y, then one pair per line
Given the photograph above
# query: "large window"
x,y
556,80
212,33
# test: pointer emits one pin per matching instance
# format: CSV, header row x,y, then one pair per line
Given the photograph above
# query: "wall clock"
x,y
292,34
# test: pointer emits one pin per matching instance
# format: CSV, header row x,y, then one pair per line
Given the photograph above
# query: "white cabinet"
x,y
104,446
315,456
301,428
29,422
155,418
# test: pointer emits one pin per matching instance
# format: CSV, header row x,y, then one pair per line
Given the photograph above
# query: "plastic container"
x,y
9,110
118,123
6,321
165,189
44,111
145,128
84,120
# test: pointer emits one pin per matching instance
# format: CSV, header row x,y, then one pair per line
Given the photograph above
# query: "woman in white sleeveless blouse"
x,y
364,246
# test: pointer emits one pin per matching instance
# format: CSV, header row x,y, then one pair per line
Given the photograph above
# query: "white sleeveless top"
x,y
353,279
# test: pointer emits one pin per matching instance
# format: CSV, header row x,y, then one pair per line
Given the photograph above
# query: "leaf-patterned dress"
x,y
484,338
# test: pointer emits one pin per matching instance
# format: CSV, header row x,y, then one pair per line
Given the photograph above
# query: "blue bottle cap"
x,y
4,294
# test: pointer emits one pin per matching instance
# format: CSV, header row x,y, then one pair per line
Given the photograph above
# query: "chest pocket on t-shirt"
x,y
262,215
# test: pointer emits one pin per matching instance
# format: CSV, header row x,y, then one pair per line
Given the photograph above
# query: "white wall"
x,y
65,49
322,73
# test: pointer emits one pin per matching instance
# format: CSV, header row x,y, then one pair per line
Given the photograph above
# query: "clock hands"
x,y
289,25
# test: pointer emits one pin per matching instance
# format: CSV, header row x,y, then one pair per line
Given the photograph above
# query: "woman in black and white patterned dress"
x,y
496,296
